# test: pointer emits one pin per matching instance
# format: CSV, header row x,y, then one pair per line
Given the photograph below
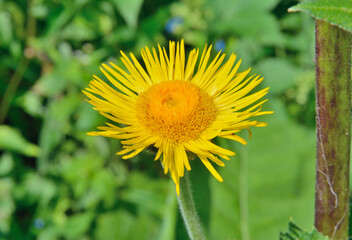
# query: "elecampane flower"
x,y
177,107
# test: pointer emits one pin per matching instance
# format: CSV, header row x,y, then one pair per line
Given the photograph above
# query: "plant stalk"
x,y
333,99
20,70
188,210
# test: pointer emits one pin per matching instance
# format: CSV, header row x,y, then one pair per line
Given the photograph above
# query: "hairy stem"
x,y
333,95
188,210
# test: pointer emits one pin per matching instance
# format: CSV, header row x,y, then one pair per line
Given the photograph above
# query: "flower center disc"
x,y
175,110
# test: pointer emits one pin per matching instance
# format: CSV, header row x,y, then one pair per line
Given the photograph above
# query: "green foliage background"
x,y
58,183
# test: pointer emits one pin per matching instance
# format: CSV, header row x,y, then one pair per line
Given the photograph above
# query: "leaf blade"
x,y
336,12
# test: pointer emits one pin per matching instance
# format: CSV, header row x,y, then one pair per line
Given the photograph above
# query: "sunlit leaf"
x,y
78,224
335,12
129,9
6,163
12,140
296,233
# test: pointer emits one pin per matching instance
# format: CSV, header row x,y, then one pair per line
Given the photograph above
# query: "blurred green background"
x,y
58,183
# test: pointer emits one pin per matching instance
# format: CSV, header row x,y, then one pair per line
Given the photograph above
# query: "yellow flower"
x,y
176,109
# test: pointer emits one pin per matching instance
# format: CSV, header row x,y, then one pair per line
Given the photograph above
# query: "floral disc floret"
x,y
175,110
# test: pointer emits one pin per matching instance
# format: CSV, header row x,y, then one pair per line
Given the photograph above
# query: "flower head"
x,y
175,108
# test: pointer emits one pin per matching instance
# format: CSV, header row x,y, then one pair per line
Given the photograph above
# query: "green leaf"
x,y
50,83
42,194
335,12
78,224
6,163
11,139
247,18
167,229
129,10
268,181
79,29
236,6
146,193
48,233
31,102
6,28
124,225
56,124
296,233
278,73
7,204
87,118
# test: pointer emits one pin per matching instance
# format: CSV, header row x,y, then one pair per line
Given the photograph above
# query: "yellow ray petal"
x,y
211,169
236,138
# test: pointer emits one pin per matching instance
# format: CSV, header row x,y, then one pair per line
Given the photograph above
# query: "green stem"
x,y
243,193
20,70
333,94
12,88
188,210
